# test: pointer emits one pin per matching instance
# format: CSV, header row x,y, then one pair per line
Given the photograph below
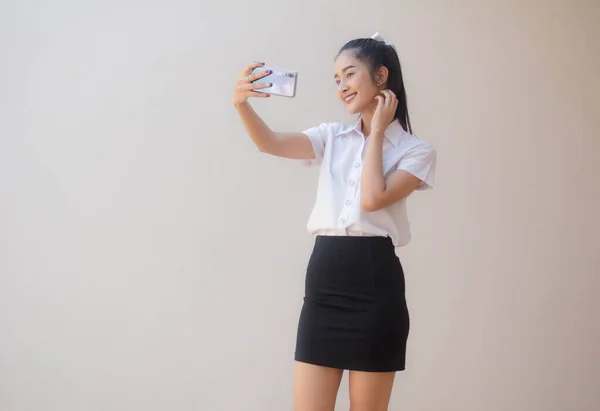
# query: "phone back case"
x,y
284,81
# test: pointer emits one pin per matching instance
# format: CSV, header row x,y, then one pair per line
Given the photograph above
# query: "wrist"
x,y
377,134
239,104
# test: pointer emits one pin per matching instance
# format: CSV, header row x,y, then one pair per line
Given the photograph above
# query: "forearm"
x,y
262,136
372,182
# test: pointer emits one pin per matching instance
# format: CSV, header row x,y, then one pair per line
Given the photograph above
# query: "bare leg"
x,y
315,387
370,391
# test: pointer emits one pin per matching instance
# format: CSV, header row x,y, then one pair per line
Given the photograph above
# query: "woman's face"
x,y
356,88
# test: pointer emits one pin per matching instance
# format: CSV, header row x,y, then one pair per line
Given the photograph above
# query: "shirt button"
x,y
351,183
348,202
342,220
357,165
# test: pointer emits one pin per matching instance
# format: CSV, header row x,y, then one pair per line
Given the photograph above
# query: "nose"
x,y
342,87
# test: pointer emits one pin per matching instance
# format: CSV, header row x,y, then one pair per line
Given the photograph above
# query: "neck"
x,y
366,117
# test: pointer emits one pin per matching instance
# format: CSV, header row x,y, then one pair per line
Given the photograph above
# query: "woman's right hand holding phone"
x,y
287,145
245,88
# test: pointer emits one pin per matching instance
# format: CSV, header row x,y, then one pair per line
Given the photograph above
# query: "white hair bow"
x,y
379,37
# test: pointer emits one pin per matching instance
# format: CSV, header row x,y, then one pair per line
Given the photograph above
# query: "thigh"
x,y
370,391
315,387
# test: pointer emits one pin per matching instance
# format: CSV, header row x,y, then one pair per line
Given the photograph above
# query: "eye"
x,y
337,81
349,75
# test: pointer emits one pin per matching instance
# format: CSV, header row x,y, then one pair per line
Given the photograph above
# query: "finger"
x,y
388,94
380,100
394,100
254,86
390,98
384,98
259,75
257,94
248,70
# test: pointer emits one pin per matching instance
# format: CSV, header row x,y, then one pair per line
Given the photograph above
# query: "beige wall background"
x,y
152,259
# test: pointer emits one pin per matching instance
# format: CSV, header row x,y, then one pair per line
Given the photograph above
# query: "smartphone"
x,y
284,81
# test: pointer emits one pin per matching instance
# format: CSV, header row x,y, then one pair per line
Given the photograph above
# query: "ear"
x,y
381,76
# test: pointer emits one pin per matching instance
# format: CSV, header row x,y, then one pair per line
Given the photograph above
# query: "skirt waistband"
x,y
380,243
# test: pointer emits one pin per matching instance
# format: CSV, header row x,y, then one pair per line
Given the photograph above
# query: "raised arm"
x,y
288,145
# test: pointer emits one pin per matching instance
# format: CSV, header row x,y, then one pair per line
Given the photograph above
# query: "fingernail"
x,y
270,84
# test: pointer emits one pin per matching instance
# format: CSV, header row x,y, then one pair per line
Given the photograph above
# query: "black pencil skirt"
x,y
354,315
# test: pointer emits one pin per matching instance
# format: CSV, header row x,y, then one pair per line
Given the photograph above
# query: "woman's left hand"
x,y
385,111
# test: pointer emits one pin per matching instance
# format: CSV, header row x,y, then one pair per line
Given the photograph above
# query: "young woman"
x,y
354,315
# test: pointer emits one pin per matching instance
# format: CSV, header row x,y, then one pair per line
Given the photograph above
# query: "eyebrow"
x,y
346,68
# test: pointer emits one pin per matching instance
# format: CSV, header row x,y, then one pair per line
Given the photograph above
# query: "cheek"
x,y
365,85
367,91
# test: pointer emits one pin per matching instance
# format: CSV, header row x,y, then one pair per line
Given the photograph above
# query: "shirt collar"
x,y
394,132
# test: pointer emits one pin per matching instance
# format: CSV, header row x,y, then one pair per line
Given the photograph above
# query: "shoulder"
x,y
419,158
328,130
412,144
333,128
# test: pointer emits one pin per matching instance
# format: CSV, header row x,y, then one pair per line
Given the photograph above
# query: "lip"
x,y
349,98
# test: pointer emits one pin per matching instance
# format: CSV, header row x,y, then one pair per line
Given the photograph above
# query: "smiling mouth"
x,y
348,99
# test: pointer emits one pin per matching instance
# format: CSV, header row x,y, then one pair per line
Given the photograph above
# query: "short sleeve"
x,y
318,136
420,161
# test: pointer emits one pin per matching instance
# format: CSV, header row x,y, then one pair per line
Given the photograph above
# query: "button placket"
x,y
352,186
351,191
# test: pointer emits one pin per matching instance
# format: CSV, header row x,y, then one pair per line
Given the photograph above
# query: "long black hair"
x,y
376,54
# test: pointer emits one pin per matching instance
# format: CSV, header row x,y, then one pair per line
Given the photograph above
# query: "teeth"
x,y
350,97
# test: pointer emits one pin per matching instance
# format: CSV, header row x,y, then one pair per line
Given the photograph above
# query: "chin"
x,y
355,107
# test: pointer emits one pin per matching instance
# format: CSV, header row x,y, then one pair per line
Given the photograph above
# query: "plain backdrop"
x,y
152,259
